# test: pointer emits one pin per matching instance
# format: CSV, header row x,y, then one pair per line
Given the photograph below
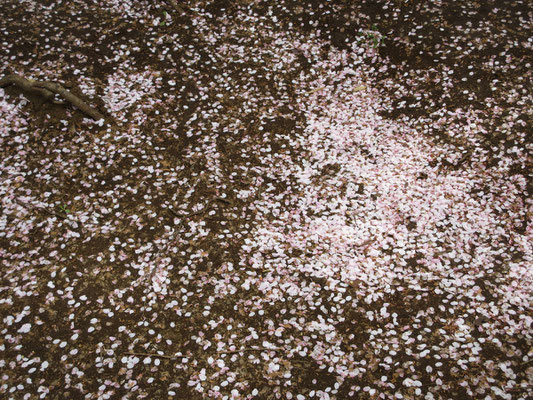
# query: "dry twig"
x,y
48,89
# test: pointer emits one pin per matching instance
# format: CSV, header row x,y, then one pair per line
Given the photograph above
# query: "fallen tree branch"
x,y
48,89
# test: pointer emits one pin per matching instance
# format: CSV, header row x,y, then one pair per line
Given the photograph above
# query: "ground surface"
x,y
287,200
